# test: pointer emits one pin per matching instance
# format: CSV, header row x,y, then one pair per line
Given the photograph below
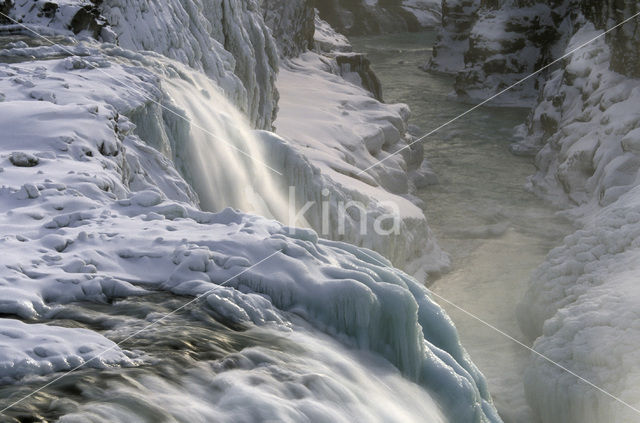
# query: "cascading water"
x,y
216,150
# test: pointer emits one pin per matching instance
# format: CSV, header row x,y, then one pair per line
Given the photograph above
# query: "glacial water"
x,y
495,231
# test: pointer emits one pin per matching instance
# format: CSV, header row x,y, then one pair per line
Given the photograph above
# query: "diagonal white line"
x,y
145,95
506,335
499,94
544,357
138,332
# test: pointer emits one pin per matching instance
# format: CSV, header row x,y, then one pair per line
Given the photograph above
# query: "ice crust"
x,y
581,304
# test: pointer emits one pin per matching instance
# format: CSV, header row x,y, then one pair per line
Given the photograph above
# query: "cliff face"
x,y
292,24
584,131
356,17
491,44
458,18
227,40
624,41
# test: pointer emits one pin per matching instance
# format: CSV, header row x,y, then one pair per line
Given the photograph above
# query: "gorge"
x,y
193,196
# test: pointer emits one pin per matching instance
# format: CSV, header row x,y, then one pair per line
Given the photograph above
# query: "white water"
x,y
495,231
217,151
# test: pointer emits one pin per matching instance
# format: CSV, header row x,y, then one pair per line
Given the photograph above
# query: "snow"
x,y
581,303
234,48
38,349
342,131
102,241
592,154
326,39
91,213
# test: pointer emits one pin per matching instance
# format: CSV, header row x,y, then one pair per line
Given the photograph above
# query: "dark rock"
x,y
358,63
87,18
5,8
49,9
21,159
292,24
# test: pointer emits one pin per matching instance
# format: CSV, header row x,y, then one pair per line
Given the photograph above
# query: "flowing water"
x,y
195,365
495,231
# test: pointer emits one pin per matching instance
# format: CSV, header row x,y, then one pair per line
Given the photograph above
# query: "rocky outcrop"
x,y
458,18
228,40
624,41
356,17
490,45
359,64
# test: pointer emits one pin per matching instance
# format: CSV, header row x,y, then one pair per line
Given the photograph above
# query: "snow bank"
x,y
581,303
342,130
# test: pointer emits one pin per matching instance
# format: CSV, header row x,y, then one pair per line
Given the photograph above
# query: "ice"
x,y
582,301
104,246
38,349
104,213
233,48
341,130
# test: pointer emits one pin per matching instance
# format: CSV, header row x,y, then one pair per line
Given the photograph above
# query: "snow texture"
x,y
581,303
103,216
38,349
342,130
90,212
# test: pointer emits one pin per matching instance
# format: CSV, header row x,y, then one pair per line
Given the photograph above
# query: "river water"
x,y
494,230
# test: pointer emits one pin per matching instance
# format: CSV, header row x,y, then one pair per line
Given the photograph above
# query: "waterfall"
x,y
216,150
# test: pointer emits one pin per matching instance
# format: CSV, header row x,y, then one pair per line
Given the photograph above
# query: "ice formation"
x,y
580,308
96,210
103,216
581,303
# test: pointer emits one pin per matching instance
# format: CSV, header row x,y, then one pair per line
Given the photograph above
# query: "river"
x,y
495,231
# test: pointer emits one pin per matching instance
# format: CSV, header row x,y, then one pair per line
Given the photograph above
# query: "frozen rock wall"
x,y
225,39
458,18
292,24
581,300
583,132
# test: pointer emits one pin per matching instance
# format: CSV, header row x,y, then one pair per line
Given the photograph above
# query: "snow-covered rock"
x,y
227,40
292,24
458,18
342,131
492,45
581,302
38,349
